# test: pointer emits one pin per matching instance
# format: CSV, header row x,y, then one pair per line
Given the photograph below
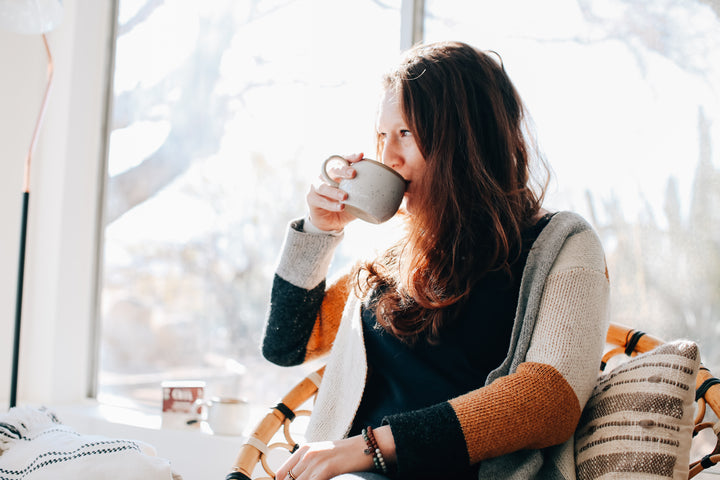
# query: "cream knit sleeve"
x,y
572,320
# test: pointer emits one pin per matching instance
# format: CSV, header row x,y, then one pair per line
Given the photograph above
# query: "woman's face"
x,y
398,148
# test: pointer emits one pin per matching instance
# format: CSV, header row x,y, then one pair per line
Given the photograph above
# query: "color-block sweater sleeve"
x,y
539,404
303,316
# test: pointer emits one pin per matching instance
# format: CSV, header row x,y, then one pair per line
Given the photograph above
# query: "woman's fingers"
x,y
338,170
326,202
314,460
354,157
340,173
325,197
283,472
327,213
293,466
333,193
292,474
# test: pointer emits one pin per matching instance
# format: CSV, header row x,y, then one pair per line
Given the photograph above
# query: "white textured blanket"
x,y
34,445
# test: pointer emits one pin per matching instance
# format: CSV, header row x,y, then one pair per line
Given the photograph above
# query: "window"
x,y
223,112
626,110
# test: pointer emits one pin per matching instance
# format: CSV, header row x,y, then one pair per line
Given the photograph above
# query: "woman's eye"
x,y
405,133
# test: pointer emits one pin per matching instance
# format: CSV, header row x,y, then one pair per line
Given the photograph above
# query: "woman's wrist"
x,y
386,443
310,227
373,450
356,454
355,458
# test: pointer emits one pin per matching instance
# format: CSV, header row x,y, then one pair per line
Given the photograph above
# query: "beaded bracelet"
x,y
374,450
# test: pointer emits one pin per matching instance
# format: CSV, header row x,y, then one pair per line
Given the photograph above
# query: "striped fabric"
x,y
638,422
34,445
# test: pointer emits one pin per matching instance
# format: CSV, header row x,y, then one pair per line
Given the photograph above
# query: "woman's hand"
x,y
327,212
324,460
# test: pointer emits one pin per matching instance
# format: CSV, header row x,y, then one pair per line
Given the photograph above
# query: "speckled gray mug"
x,y
374,194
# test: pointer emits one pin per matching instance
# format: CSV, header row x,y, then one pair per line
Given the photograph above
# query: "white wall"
x,y
65,186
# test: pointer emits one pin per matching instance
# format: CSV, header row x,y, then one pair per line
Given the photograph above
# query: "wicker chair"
x,y
622,341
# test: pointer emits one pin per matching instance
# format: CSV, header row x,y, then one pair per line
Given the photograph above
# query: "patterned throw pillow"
x,y
639,419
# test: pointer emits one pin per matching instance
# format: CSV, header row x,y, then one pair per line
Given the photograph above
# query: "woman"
x,y
469,349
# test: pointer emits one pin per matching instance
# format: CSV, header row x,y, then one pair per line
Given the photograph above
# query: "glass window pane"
x,y
623,95
223,112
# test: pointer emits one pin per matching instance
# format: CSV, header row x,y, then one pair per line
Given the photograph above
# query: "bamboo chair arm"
x,y
255,449
620,335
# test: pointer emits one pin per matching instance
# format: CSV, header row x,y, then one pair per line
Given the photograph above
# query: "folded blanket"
x,y
34,445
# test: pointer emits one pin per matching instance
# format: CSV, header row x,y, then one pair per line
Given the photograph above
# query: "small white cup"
x,y
374,194
225,416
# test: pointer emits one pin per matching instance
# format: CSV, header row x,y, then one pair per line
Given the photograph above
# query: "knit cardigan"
x,y
520,424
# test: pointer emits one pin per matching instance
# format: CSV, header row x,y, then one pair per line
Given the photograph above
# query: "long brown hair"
x,y
475,198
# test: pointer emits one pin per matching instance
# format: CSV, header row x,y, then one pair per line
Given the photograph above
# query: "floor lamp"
x,y
32,17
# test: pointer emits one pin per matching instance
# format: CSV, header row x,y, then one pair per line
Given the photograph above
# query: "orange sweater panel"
x,y
328,319
532,408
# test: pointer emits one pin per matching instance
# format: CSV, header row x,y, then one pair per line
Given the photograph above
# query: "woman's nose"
x,y
391,155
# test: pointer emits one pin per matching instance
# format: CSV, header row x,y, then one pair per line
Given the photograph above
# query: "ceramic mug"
x,y
225,416
374,194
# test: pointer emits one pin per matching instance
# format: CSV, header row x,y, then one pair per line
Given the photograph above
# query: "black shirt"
x,y
404,377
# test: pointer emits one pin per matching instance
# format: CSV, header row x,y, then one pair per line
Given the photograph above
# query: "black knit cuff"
x,y
429,442
291,318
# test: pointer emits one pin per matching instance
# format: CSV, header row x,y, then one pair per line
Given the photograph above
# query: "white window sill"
x,y
194,453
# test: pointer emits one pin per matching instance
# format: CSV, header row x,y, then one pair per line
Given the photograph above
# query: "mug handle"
x,y
323,170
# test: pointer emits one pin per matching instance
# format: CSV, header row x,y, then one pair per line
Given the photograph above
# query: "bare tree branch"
x,y
654,29
141,15
189,138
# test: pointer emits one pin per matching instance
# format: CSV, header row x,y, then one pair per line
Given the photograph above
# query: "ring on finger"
x,y
290,474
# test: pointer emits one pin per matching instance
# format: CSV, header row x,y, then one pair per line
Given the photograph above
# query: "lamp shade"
x,y
30,16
